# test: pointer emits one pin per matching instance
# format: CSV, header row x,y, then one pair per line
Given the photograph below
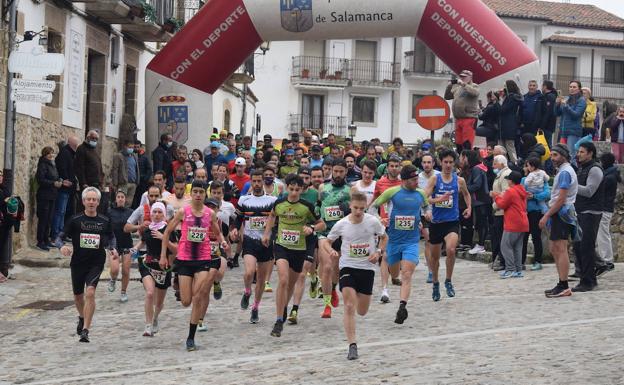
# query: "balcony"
x,y
245,74
109,11
424,65
602,89
341,73
318,124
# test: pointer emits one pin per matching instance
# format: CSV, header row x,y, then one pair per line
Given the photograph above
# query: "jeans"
x,y
511,247
585,250
58,221
604,248
45,210
571,141
536,236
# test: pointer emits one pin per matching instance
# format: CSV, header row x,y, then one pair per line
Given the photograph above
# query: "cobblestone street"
x,y
493,332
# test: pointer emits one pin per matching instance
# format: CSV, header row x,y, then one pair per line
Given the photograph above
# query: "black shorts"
x,y
311,245
85,274
360,280
559,230
189,268
425,223
161,278
255,248
295,258
439,231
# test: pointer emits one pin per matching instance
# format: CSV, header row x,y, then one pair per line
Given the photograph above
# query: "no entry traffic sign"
x,y
432,112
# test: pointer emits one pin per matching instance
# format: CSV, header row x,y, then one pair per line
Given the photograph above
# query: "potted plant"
x,y
305,73
149,12
338,75
323,73
172,25
136,8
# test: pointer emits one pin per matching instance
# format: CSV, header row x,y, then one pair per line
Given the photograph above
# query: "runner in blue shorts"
x,y
405,203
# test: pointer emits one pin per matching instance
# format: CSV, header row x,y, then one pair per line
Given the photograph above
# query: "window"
x,y
55,45
415,99
424,58
614,71
226,120
363,109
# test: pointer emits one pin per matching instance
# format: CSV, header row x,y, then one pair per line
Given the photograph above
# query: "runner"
x,y
293,217
155,280
358,256
405,203
119,215
367,184
194,263
226,213
427,163
258,259
443,191
91,235
179,198
159,179
334,198
387,181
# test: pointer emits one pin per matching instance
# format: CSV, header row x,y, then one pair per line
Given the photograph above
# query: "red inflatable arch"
x,y
464,34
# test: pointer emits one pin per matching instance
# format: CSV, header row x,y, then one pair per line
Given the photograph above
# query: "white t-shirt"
x,y
226,212
144,200
368,191
423,179
358,241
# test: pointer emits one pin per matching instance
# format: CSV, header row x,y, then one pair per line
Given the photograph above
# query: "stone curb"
x,y
32,257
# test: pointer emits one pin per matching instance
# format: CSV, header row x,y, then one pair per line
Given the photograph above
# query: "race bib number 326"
x,y
290,237
89,241
359,250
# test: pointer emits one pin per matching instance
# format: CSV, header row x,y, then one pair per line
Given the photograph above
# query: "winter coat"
x,y
145,169
589,116
514,204
465,99
572,116
536,151
478,186
510,116
119,171
611,179
500,186
549,117
65,166
532,112
161,159
490,117
533,203
46,176
88,166
613,124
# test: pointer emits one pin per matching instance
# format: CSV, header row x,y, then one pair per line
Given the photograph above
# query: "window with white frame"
x,y
614,71
364,109
414,98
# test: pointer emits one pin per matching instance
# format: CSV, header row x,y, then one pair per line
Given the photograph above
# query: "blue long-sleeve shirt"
x,y
571,113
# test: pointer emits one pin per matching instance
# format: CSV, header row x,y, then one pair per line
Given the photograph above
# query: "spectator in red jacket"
x,y
516,223
239,177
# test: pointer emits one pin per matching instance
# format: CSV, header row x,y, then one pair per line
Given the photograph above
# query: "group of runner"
x,y
334,232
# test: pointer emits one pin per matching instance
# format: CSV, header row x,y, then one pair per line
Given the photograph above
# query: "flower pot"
x,y
305,73
338,75
323,74
168,27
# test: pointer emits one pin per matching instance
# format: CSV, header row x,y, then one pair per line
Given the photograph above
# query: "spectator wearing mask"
x,y
145,173
49,183
125,172
87,163
499,187
490,117
604,246
64,200
510,118
161,157
465,96
571,110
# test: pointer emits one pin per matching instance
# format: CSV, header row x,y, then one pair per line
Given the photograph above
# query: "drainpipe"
x,y
591,79
549,60
394,130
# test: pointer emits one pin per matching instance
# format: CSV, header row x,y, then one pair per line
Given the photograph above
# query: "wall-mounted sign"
x,y
31,96
33,85
75,71
36,66
173,120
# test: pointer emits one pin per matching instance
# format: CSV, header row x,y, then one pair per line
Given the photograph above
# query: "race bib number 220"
x,y
290,237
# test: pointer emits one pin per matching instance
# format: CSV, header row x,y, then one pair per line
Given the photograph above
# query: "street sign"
x,y
36,65
432,112
33,85
31,96
191,4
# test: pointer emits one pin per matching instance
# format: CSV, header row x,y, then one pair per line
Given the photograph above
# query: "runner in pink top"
x,y
194,265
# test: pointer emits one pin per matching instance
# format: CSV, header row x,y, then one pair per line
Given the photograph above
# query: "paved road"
x,y
492,332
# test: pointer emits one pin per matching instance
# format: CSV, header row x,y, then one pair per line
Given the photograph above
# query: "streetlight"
x,y
352,130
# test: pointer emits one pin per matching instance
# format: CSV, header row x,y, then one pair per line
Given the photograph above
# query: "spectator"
x,y
213,157
535,211
289,167
609,113
87,163
591,112
64,199
240,177
510,118
603,242
589,206
161,158
571,110
614,132
530,147
198,157
145,173
532,109
480,193
230,155
9,219
549,117
490,117
49,183
488,161
125,173
499,186
465,96
353,174
514,204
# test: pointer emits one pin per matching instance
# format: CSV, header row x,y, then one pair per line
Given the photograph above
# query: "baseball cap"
x,y
316,147
515,176
426,146
237,137
240,162
465,73
215,145
409,171
268,138
290,152
304,170
211,202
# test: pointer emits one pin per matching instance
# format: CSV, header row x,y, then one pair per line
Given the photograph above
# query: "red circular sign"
x,y
432,112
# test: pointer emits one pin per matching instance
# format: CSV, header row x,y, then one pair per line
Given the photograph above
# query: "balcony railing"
x,y
424,64
602,89
344,71
245,74
318,124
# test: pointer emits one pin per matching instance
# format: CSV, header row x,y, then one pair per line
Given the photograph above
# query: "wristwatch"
x,y
380,251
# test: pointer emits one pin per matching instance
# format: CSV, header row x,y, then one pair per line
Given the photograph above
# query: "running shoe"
x,y
123,297
536,266
396,281
80,325
505,274
190,345
84,335
245,301
548,291
111,285
148,331
155,326
277,329
385,296
517,274
217,292
326,312
559,291
401,315
476,250
353,353
450,291
267,287
435,294
254,316
314,286
430,277
202,327
292,318
335,300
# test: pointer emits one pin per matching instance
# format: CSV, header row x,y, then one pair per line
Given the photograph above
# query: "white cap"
x,y
315,138
240,162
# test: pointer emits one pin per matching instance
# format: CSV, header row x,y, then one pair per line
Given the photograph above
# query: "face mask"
x,y
496,171
169,144
130,151
268,180
93,143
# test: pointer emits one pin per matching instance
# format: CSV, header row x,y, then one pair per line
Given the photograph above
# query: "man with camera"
x,y
465,96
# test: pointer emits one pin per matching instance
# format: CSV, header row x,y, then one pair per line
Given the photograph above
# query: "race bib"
x,y
359,250
404,222
89,241
333,213
290,237
196,234
257,223
215,248
445,204
158,275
